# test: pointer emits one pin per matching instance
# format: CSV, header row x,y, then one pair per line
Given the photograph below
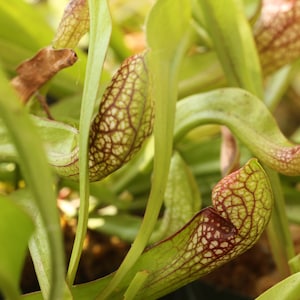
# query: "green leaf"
x,y
100,31
248,119
122,225
24,33
234,43
15,229
60,141
206,76
182,199
135,285
287,289
277,85
38,177
166,39
39,247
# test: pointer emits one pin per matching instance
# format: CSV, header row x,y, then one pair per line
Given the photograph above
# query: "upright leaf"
x,y
234,43
181,201
100,30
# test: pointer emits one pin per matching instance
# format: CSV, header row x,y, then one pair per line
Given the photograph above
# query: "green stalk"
x,y
294,264
278,229
277,86
135,285
100,30
163,135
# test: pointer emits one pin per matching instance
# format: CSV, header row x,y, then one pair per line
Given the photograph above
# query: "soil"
x,y
248,275
101,255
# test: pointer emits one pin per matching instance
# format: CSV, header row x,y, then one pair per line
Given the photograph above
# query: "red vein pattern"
x,y
241,209
124,121
74,24
285,159
277,33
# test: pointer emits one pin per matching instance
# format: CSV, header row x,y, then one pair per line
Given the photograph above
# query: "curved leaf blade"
x,y
248,119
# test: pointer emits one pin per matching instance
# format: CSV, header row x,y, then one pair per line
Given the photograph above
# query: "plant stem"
x,y
277,86
135,285
160,173
163,133
294,264
100,30
278,229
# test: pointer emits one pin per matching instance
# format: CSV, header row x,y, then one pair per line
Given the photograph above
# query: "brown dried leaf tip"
x,y
36,71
